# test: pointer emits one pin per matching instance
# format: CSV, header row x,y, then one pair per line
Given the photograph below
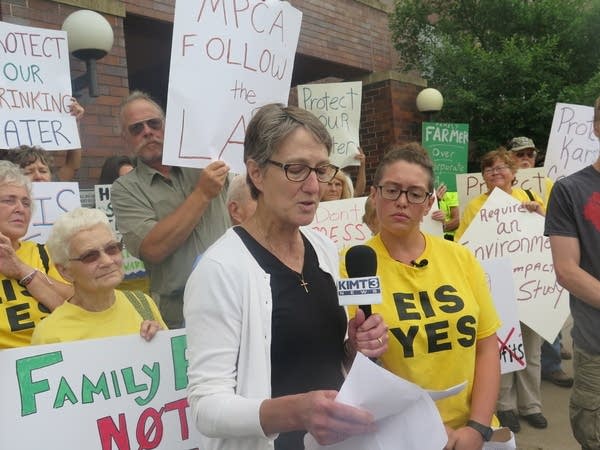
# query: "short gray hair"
x,y
139,95
12,174
236,188
67,226
273,123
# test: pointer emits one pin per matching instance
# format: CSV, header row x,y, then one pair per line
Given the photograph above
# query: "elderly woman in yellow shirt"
x,y
88,255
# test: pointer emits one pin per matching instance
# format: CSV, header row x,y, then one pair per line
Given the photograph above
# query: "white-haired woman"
x,y
30,286
87,254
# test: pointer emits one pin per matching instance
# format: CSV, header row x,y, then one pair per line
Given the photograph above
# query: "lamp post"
x,y
429,102
90,38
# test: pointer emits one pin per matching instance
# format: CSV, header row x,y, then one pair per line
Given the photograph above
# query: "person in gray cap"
x,y
523,149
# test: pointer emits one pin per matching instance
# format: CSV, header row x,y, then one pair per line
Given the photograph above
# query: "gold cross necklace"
x,y
303,283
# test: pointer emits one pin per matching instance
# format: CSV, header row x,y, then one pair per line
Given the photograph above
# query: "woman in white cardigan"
x,y
266,335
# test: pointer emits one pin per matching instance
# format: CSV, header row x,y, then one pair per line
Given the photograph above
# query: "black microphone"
x,y
361,261
420,264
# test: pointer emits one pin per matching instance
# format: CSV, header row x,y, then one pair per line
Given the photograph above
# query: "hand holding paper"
x,y
405,415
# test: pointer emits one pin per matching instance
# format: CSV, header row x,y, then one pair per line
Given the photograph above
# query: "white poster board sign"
x,y
50,201
132,266
510,340
120,393
341,221
227,60
471,185
35,89
503,228
572,144
337,105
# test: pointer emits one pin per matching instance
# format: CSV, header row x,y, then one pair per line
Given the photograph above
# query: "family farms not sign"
x,y
120,393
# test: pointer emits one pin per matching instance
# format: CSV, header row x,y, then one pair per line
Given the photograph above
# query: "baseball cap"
x,y
520,143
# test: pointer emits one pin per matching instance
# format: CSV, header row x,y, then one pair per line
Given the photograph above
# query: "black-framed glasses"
x,y
111,249
299,172
525,153
416,196
136,129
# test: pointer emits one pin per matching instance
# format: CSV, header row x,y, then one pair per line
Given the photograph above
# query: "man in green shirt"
x,y
167,215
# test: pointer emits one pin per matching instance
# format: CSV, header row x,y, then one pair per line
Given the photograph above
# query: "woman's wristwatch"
x,y
485,431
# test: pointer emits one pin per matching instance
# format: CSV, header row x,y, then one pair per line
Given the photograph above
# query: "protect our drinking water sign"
x,y
337,105
572,144
119,393
228,58
35,89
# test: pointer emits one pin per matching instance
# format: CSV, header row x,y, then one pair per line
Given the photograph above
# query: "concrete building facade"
x,y
345,40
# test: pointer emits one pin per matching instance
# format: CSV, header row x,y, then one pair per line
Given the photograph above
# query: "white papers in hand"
x,y
406,415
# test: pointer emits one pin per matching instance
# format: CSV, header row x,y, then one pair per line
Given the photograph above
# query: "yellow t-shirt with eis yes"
x,y
435,315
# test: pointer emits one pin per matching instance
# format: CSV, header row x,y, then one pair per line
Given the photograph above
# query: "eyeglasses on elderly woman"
x,y
91,256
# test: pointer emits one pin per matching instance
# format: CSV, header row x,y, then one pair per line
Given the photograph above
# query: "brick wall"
x,y
348,32
389,115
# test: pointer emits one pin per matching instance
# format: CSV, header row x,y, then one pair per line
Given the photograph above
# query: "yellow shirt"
x,y
70,322
19,311
435,316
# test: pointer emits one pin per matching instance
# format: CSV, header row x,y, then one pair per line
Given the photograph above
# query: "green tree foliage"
x,y
502,65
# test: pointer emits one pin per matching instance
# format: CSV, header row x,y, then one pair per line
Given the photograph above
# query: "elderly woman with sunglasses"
x,y
266,333
88,255
30,286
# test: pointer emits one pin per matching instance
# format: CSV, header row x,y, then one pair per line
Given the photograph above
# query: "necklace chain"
x,y
303,282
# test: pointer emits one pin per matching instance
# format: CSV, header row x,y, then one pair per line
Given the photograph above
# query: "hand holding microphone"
x,y
367,333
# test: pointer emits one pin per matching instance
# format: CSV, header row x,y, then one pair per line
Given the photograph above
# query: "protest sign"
x,y
337,105
504,228
572,144
120,393
502,287
50,201
471,185
448,147
341,221
35,89
132,266
227,59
